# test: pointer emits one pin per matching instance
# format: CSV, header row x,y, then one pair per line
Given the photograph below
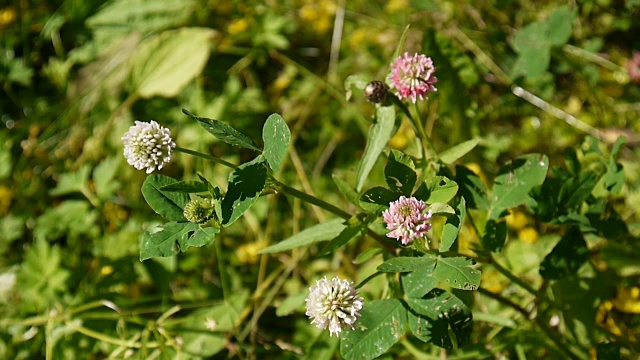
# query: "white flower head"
x,y
333,304
148,146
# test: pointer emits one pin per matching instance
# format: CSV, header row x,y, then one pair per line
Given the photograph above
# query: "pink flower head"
x,y
413,76
407,220
633,67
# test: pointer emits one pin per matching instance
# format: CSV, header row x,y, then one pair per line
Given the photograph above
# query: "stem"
x,y
206,157
310,199
223,277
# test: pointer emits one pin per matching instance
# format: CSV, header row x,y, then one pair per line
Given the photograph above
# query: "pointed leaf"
x,y
514,182
356,228
399,175
407,264
379,135
431,318
495,234
246,183
454,153
224,132
346,190
165,242
167,204
438,189
187,187
317,233
201,237
472,188
356,80
418,283
457,272
567,257
453,226
380,326
276,137
377,199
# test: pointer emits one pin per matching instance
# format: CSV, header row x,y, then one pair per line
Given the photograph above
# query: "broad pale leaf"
x,y
379,135
166,63
454,153
418,283
201,237
356,228
346,190
381,324
317,233
276,137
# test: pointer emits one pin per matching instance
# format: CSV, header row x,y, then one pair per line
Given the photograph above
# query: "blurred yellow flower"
x,y
5,200
318,14
528,235
7,16
238,26
516,220
628,300
396,5
248,253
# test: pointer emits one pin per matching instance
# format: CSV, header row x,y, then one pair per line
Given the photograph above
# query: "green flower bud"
x,y
199,210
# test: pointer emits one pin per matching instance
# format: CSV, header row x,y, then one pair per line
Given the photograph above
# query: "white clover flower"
x,y
333,304
148,145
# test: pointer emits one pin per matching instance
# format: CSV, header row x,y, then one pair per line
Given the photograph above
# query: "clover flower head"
x,y
376,91
334,304
199,210
413,76
147,145
407,220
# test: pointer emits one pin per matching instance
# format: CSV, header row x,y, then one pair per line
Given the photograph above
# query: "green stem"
x,y
206,157
310,199
223,278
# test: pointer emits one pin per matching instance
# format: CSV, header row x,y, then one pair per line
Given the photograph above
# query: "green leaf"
x,y
380,326
356,80
431,318
317,233
454,153
514,182
567,257
166,63
167,204
399,173
291,304
453,226
457,272
246,183
418,283
472,188
379,135
441,208
362,258
406,264
165,242
276,137
224,132
576,190
559,25
495,234
104,177
201,237
72,182
346,190
377,199
356,228
187,187
440,189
